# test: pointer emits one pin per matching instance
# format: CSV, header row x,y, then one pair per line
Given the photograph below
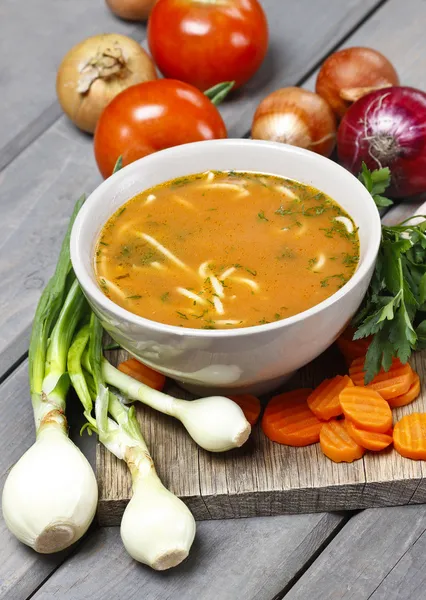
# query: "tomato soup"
x,y
226,249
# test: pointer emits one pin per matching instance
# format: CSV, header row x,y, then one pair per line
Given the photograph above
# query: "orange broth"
x,y
225,249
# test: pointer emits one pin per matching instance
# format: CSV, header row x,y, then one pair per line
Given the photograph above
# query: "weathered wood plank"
x,y
263,478
34,42
21,569
37,189
249,558
379,554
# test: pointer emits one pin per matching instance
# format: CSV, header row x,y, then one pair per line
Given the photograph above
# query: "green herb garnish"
x,y
261,215
394,308
182,315
376,183
340,277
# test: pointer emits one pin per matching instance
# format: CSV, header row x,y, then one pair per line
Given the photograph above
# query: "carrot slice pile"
x,y
250,405
351,348
370,440
366,408
412,394
409,436
337,444
142,373
289,420
324,401
389,384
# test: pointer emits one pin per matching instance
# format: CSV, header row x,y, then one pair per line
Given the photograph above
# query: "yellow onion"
x,y
295,116
132,10
95,71
349,74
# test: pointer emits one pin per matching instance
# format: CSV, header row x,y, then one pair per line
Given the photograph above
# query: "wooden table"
x,y
45,164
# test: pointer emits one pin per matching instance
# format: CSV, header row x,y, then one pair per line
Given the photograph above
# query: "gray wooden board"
x,y
21,569
379,554
32,45
37,190
247,559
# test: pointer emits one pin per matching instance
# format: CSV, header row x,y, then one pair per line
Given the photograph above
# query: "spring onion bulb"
x,y
50,495
157,528
215,423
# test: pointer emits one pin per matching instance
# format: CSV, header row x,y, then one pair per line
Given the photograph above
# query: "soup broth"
x,y
226,249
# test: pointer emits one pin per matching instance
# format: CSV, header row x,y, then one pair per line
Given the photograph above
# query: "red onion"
x,y
387,128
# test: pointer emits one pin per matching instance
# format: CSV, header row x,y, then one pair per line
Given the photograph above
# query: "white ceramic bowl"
x,y
257,358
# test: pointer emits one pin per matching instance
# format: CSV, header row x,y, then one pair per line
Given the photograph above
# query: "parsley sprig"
x,y
394,308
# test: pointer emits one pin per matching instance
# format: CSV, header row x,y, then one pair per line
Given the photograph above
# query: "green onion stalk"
x,y
157,528
215,423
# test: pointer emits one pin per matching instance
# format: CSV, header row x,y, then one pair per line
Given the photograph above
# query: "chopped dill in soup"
x,y
226,249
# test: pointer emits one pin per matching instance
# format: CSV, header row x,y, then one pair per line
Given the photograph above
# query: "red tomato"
x,y
205,43
152,116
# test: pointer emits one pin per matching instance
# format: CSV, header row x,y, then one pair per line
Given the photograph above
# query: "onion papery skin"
x,y
387,128
351,73
50,495
85,108
131,10
297,117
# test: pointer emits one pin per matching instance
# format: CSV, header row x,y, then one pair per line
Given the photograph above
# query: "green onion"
x,y
50,495
157,529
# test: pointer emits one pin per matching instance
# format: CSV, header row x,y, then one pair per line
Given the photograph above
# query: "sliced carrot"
x,y
142,373
409,436
337,444
371,440
289,420
250,405
324,401
351,348
412,394
389,384
366,408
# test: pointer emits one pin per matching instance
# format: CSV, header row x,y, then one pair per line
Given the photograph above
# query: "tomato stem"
x,y
218,92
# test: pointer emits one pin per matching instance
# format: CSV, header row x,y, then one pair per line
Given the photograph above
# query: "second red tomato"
x,y
151,116
205,43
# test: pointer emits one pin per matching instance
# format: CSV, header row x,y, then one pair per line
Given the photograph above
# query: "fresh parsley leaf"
x,y
422,289
376,183
381,201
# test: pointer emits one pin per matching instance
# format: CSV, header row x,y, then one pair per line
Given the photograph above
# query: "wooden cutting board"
x,y
264,478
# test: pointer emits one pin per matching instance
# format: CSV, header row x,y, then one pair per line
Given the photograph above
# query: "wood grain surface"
x,y
230,560
376,555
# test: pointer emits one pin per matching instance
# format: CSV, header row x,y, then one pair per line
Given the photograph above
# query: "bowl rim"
x,y
93,291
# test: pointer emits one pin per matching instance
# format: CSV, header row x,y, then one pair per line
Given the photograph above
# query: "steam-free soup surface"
x,y
223,250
